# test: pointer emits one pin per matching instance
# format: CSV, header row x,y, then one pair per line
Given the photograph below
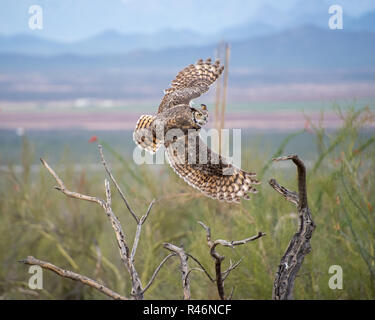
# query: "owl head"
x,y
200,116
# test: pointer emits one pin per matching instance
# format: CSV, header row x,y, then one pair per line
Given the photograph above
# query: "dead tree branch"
x,y
221,276
183,265
202,267
230,268
157,271
116,184
138,231
120,235
190,271
127,255
74,276
299,245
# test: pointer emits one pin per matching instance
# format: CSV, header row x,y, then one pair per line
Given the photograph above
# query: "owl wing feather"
x,y
216,177
190,83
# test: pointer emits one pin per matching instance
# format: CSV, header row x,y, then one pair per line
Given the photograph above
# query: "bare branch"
x,y
116,184
231,244
74,276
108,194
301,170
120,236
139,229
220,276
231,294
157,271
136,240
208,230
140,221
230,268
61,187
288,195
202,267
104,204
144,217
299,245
184,267
192,269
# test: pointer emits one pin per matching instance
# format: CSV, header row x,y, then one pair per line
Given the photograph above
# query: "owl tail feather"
x,y
144,136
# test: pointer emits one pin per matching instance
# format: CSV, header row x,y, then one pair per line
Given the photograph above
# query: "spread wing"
x,y
216,177
190,83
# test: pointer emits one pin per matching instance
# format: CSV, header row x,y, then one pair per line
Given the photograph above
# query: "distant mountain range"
x,y
338,61
108,42
301,48
113,42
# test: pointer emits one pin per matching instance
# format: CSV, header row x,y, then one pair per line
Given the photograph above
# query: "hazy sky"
x,y
76,19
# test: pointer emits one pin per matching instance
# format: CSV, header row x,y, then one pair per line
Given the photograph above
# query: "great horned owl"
x,y
215,176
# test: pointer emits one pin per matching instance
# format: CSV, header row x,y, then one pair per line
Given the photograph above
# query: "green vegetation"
x,y
37,220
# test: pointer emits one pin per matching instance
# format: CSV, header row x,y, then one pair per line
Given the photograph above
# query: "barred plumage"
x,y
190,83
216,178
145,138
211,177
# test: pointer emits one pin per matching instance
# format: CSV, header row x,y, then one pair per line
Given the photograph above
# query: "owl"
x,y
176,126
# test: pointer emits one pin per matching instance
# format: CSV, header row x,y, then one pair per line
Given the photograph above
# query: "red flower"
x,y
369,206
93,139
307,127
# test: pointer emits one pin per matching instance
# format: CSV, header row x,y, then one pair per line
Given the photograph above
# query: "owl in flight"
x,y
177,125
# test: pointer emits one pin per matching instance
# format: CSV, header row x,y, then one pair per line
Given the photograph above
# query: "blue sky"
x,y
70,20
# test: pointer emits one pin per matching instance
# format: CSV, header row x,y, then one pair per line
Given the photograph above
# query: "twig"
x,y
184,267
221,276
157,271
231,244
61,187
187,275
230,268
231,293
74,276
116,184
288,195
299,245
202,267
139,229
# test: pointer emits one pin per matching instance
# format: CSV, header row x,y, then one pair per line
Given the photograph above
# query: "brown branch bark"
x,y
299,245
221,276
74,276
